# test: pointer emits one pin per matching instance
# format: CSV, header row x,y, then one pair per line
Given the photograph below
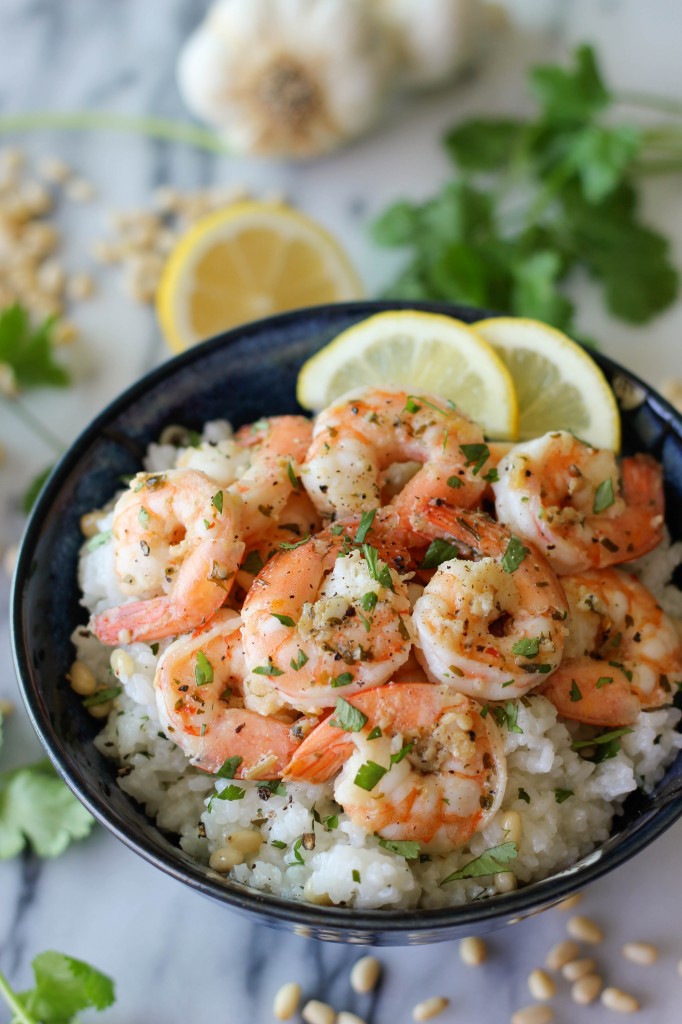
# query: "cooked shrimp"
x,y
424,765
362,434
565,497
199,686
278,446
176,546
327,616
623,652
491,622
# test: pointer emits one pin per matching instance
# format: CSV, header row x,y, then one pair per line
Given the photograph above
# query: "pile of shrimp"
x,y
348,600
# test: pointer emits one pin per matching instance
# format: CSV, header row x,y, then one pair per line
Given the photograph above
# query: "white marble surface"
x,y
176,956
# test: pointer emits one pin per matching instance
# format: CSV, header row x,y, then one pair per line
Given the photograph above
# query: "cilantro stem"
x,y
15,1006
19,410
87,120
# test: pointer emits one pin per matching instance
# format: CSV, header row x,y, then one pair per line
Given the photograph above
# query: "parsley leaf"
x,y
369,774
366,520
203,670
603,496
403,847
438,551
28,351
514,554
64,987
528,647
347,717
491,862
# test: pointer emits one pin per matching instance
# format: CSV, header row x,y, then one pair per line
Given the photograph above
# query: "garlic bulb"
x,y
287,78
435,39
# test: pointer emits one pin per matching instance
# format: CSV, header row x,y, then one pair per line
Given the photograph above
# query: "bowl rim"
x,y
301,915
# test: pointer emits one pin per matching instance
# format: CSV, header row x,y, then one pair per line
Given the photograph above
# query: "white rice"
x,y
566,803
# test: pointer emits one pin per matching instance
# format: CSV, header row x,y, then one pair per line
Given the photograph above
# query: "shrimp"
x,y
423,765
493,627
564,496
176,546
279,445
328,614
199,685
362,434
623,652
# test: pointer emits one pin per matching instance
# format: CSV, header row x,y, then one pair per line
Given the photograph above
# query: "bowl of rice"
x,y
571,811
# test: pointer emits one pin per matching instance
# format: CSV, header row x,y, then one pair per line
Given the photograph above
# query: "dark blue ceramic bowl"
x,y
242,375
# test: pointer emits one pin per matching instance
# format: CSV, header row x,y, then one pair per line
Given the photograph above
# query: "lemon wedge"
x,y
245,262
558,385
421,352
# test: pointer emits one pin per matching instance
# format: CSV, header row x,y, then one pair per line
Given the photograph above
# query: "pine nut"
x,y
621,1002
473,951
89,524
82,679
121,663
644,953
585,930
225,858
365,974
540,985
429,1008
79,287
79,190
561,954
570,902
586,989
537,1013
315,1012
246,840
6,707
101,710
575,969
511,823
349,1018
286,1000
54,170
505,881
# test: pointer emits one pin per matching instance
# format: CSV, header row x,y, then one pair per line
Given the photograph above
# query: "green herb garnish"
x,y
491,862
403,848
603,496
347,717
203,670
514,555
438,551
369,774
286,620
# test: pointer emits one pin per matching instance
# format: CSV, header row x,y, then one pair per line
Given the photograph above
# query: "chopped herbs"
x,y
404,848
379,571
356,876
286,620
368,601
286,546
203,670
492,476
603,681
529,647
154,648
102,696
514,555
345,679
253,563
562,794
403,752
369,774
299,661
143,516
375,733
229,793
99,539
626,671
607,744
217,501
347,717
438,551
491,862
575,694
293,479
476,455
268,669
296,850
366,520
454,481
229,767
507,715
278,844
603,496
411,405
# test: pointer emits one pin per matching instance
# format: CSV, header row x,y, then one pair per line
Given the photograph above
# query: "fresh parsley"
x,y
403,847
369,774
63,988
514,554
490,862
203,670
347,717
438,551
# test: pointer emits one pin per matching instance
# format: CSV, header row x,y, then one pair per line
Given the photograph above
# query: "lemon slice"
x,y
558,386
421,352
245,262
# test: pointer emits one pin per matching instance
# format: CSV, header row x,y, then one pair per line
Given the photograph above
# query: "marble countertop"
x,y
177,957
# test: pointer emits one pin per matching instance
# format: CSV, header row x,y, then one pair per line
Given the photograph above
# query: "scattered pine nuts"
x,y
89,524
536,1013
101,710
561,954
644,953
586,989
570,902
349,1018
54,170
315,1012
505,881
246,840
473,951
365,974
121,663
621,1002
575,969
79,287
585,930
540,985
81,679
79,190
287,998
429,1008
224,859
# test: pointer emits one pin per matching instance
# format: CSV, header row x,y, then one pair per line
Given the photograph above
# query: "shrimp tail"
x,y
321,755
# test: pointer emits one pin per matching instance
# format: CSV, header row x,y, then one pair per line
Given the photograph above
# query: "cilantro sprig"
x,y
63,988
536,200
